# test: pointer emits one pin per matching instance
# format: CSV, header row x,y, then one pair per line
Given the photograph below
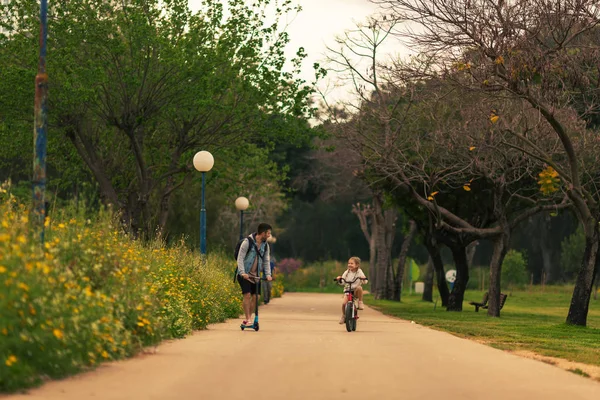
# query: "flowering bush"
x,y
289,265
91,294
277,288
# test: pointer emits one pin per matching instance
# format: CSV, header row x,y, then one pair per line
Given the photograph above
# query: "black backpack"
x,y
237,248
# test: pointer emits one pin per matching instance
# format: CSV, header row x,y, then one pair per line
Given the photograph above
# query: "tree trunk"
x,y
372,257
597,277
165,205
584,284
88,154
382,254
500,250
135,215
390,216
455,300
438,265
471,248
366,221
412,230
543,242
428,291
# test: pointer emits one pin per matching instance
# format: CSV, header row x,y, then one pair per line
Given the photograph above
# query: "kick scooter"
x,y
254,324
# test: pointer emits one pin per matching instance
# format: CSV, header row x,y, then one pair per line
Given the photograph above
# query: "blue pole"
x,y
203,219
40,127
241,224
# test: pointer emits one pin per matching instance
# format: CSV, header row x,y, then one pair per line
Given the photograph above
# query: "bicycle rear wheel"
x,y
349,317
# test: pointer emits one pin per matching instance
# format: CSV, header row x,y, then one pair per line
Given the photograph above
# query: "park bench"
x,y
484,301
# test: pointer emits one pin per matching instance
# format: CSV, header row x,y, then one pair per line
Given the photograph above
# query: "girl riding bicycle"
x,y
350,275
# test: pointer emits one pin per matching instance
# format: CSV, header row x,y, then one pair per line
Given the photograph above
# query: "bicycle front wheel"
x,y
349,317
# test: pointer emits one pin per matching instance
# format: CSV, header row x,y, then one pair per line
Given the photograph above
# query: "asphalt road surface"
x,y
301,352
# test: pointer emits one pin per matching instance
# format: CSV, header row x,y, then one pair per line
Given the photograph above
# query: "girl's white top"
x,y
349,276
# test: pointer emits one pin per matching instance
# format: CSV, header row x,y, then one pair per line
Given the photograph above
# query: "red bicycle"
x,y
351,311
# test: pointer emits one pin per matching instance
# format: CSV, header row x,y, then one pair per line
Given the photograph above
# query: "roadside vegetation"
x,y
91,294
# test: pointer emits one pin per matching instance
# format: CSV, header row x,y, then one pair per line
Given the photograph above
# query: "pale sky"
x,y
320,21
317,25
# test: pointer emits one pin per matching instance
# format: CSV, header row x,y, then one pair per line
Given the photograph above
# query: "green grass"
x,y
531,320
579,372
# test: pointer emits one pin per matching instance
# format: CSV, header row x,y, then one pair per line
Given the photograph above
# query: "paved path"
x,y
301,352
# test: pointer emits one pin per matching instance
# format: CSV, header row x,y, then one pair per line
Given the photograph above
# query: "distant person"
x,y
349,275
253,259
268,285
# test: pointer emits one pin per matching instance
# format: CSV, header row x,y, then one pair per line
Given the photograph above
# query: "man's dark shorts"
x,y
247,286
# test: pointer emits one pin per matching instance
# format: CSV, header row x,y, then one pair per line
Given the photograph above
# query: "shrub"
x,y
514,269
316,276
278,288
289,265
571,255
92,294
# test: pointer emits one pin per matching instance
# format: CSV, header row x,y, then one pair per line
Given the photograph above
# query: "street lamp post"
x,y
241,203
203,162
40,127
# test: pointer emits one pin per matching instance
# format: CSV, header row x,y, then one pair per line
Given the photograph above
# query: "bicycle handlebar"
x,y
355,279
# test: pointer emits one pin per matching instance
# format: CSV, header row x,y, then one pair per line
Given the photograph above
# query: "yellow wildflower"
x,y
11,360
58,334
2,269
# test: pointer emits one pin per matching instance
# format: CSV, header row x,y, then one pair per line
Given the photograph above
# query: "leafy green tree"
x,y
572,249
514,269
138,87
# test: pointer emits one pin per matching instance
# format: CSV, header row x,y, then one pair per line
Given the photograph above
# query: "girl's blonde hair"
x,y
356,260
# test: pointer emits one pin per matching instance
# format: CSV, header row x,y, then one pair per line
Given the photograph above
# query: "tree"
x,y
456,157
572,250
138,87
360,48
517,48
514,269
397,289
368,225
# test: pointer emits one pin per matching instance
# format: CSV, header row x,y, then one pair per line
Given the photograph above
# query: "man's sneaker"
x,y
361,305
343,320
